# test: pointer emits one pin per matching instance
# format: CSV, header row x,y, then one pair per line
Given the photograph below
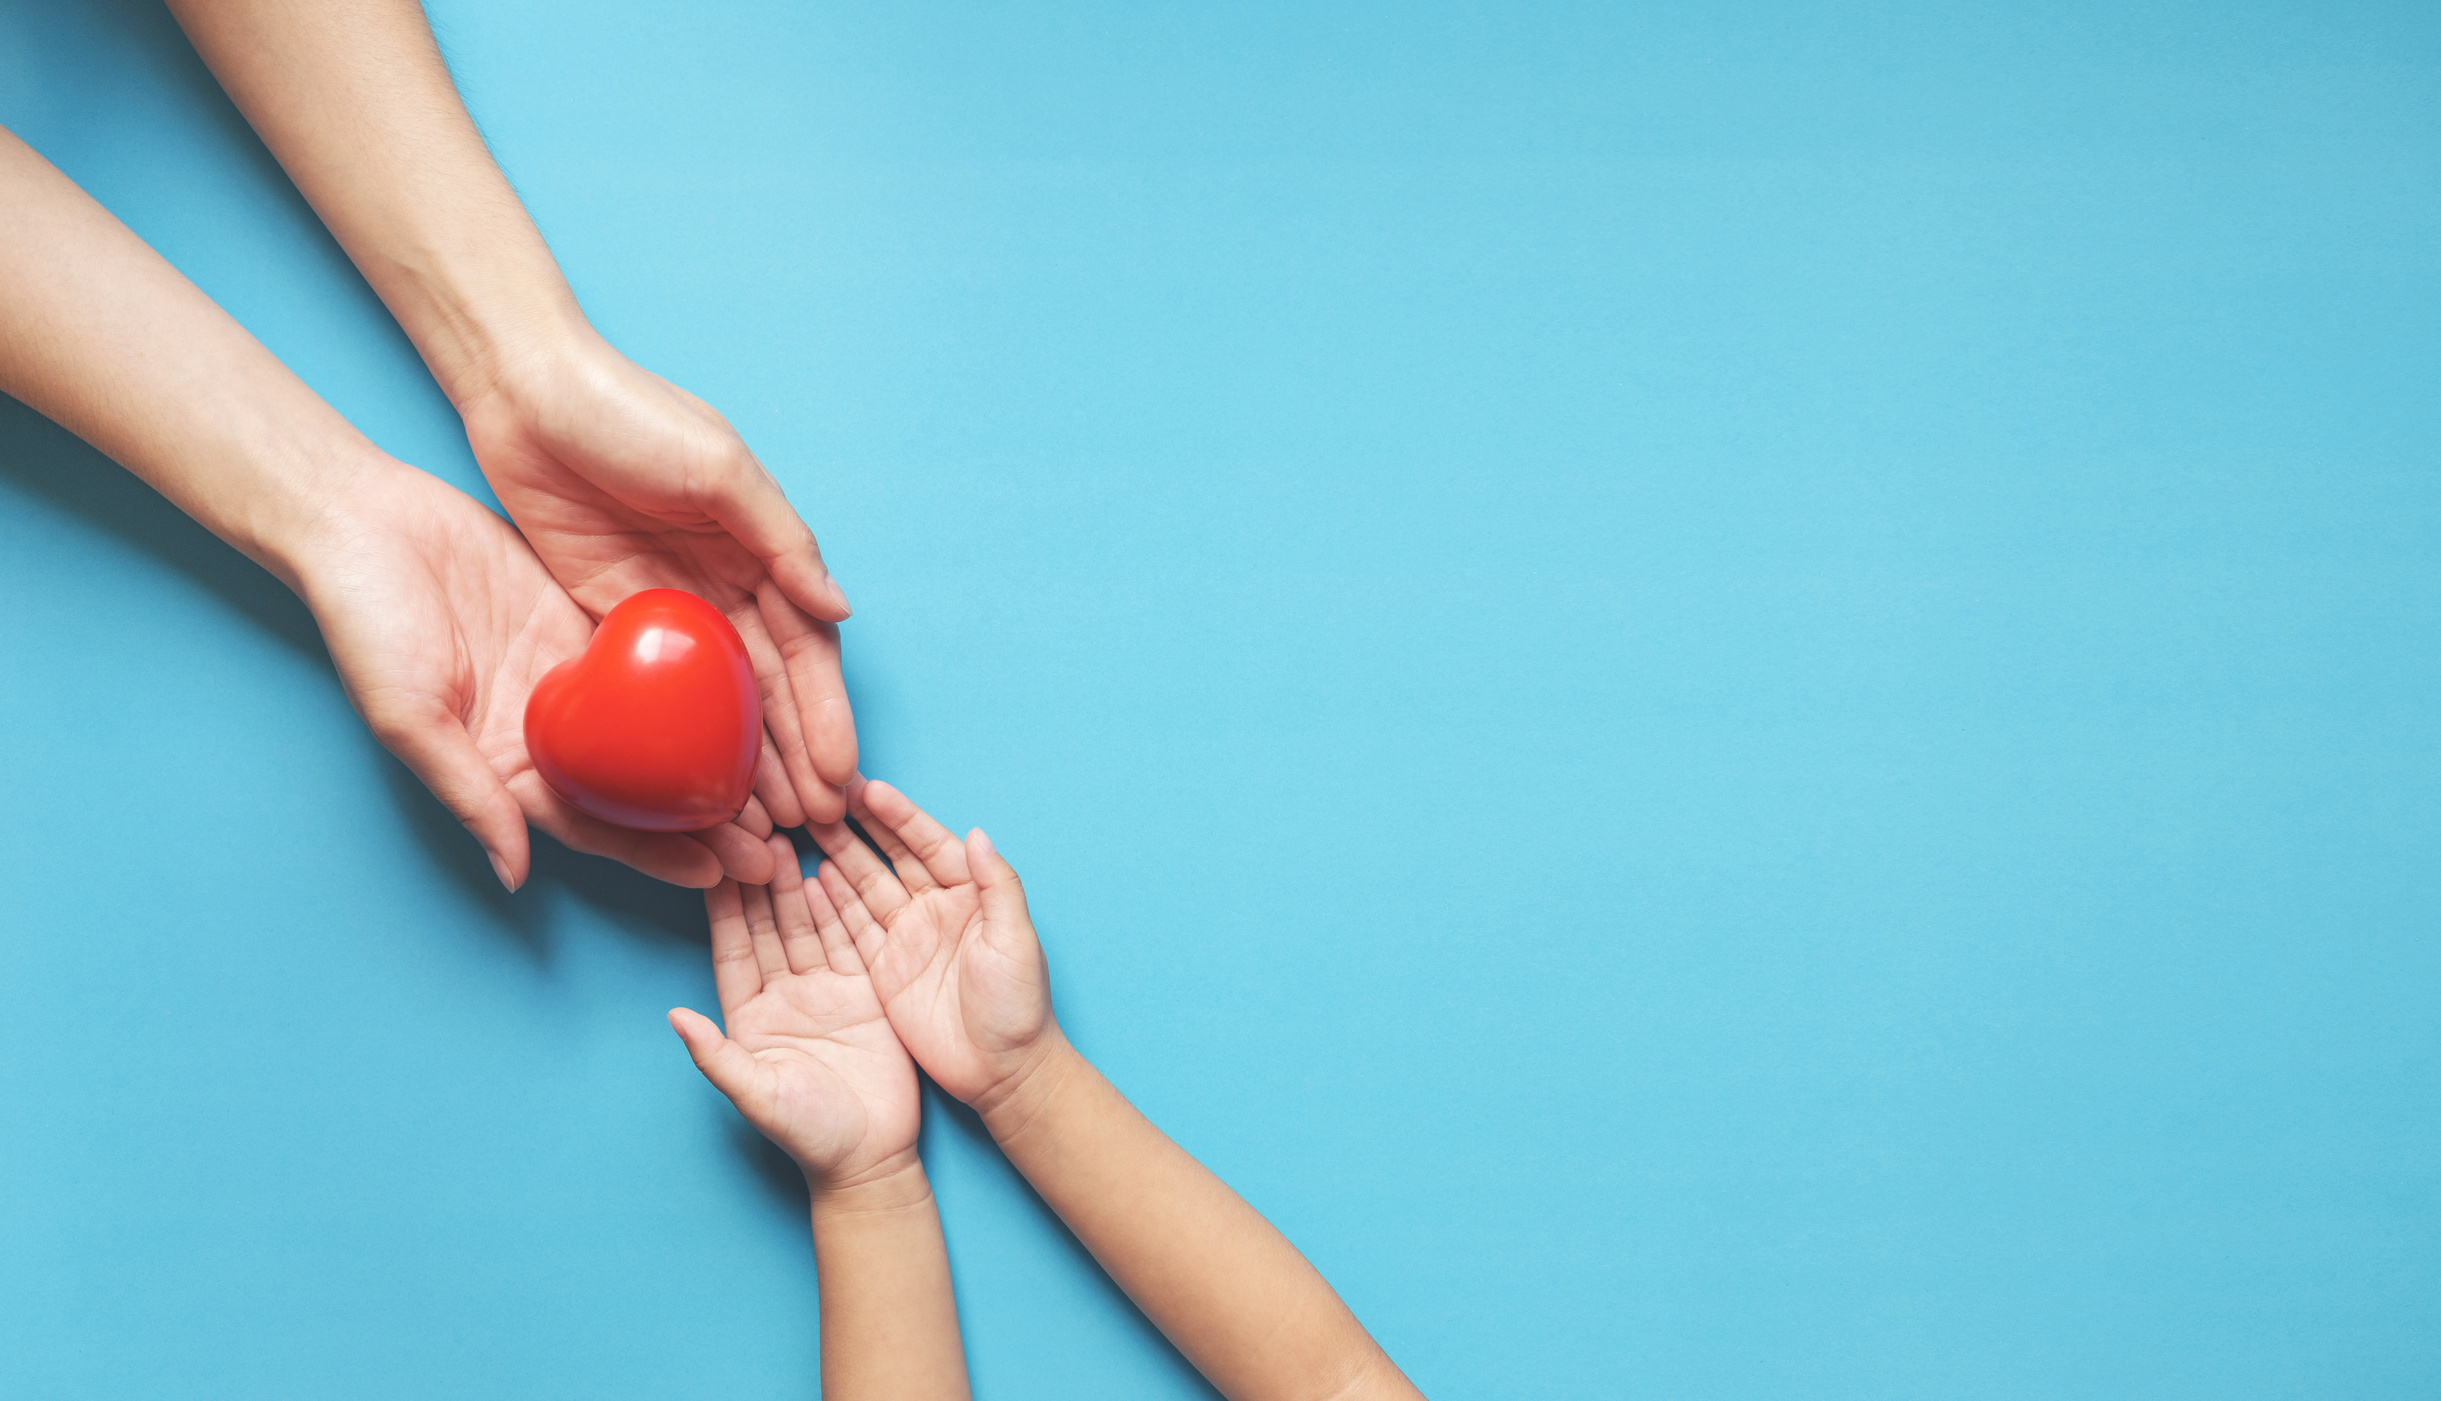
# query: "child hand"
x,y
946,940
809,1058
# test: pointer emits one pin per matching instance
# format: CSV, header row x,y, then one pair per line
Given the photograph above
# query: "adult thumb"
x,y
431,742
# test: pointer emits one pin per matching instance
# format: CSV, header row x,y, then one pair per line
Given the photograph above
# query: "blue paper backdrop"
x,y
1737,701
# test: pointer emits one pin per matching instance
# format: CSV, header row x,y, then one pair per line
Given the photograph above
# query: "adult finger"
x,y
783,723
671,856
742,855
809,648
436,747
772,786
749,504
754,818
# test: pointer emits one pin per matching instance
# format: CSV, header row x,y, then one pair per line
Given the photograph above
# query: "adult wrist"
x,y
313,512
483,332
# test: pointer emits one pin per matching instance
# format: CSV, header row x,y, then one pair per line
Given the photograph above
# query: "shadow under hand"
x,y
776,1171
451,848
621,896
53,465
940,1108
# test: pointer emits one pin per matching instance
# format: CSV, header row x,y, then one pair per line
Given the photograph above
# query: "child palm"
x,y
809,1057
945,937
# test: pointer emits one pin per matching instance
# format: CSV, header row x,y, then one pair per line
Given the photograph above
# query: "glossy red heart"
x,y
657,726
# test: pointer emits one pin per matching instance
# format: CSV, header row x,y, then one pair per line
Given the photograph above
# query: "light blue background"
x,y
1737,701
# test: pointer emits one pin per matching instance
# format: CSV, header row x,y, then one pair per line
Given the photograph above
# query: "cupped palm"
x,y
439,621
951,950
622,482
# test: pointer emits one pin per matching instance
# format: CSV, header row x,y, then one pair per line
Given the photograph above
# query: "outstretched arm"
x,y
621,480
811,1061
438,617
944,930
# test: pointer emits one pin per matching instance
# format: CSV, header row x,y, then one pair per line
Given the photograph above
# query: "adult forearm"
x,y
101,334
889,1318
1226,1287
353,98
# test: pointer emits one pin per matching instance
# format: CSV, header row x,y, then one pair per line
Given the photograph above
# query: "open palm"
x,y
945,937
624,482
809,1057
440,621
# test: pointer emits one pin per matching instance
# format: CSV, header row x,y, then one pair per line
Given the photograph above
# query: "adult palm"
x,y
622,482
809,1057
439,621
946,939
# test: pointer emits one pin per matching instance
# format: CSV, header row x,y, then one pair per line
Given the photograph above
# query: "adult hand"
x,y
622,482
809,1057
440,621
948,943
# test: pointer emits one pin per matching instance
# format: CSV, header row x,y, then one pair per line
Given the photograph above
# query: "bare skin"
x,y
620,480
810,1059
951,952
438,617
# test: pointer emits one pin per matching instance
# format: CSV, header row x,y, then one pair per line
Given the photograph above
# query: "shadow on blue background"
x,y
1737,702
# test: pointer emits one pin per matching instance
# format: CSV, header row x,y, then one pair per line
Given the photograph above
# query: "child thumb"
x,y
729,1066
996,883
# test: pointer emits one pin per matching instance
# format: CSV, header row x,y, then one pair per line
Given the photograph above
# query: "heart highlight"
x,y
658,724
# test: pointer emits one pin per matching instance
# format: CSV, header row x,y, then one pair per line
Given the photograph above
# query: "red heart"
x,y
657,726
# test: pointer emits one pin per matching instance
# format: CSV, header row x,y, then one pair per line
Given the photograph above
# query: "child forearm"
x,y
809,1059
889,1320
1225,1286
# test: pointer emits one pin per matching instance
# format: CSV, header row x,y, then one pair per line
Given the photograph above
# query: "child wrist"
x,y
1021,1097
897,1186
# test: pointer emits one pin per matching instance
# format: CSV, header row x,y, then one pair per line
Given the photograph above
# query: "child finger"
x,y
933,844
853,860
769,957
838,946
735,975
865,931
904,864
798,940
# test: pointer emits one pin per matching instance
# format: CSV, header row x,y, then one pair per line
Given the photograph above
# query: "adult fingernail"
x,y
840,596
500,868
